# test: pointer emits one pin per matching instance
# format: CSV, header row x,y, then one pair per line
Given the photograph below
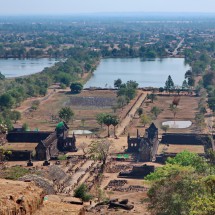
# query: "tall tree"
x,y
15,115
99,150
169,85
66,114
185,85
100,118
107,120
152,97
156,111
145,119
76,87
140,111
117,83
165,128
115,122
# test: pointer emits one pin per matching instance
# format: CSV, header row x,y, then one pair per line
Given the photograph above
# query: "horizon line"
x,y
110,13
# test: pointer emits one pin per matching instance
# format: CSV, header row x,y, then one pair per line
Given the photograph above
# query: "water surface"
x,y
178,124
14,67
147,73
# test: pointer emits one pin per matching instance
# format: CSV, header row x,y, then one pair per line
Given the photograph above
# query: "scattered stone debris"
x,y
131,188
41,182
112,204
118,168
116,183
137,172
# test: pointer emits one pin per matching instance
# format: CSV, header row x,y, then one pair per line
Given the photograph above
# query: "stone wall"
x,y
185,139
27,136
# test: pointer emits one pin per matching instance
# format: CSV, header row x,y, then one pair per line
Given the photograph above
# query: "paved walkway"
x,y
125,122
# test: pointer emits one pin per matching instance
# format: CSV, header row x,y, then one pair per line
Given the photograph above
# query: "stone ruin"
x,y
137,172
50,144
145,147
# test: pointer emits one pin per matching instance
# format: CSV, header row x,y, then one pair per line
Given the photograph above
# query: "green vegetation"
x,y
127,90
156,111
140,111
82,193
14,91
109,120
185,185
99,150
35,105
62,157
145,119
25,127
117,83
152,97
165,128
76,87
169,85
66,114
15,173
100,118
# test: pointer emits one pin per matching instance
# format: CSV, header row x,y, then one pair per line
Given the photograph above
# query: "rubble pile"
x,y
41,182
112,204
118,168
131,188
116,183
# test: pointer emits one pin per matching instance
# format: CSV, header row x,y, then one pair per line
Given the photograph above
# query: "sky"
x,y
14,7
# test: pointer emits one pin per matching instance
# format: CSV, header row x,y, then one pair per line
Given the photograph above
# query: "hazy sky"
x,y
91,6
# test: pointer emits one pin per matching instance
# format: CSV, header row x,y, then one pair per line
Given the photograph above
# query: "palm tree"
x,y
115,122
107,120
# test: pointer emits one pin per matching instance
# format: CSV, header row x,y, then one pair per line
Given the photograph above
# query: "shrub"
x,y
81,192
62,157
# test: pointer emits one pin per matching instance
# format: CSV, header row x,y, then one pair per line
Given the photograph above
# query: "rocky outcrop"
x,y
25,198
19,198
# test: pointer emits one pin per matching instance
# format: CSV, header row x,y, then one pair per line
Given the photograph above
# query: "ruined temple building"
x,y
146,146
149,148
46,145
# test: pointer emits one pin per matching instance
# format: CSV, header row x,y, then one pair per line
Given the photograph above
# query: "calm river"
x,y
146,73
13,67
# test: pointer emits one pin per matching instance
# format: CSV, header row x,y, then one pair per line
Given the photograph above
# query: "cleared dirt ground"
x,y
85,105
187,110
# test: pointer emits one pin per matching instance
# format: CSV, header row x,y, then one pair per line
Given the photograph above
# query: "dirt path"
x,y
125,122
28,102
